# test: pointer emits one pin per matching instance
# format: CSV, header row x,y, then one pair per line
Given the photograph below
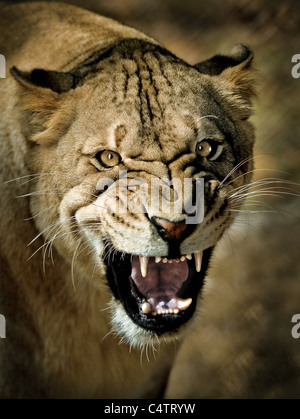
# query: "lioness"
x,y
100,126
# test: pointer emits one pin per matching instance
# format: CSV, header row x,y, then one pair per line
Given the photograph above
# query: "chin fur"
x,y
137,337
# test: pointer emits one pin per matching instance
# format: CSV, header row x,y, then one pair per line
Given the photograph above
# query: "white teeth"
x,y
143,265
198,260
166,260
146,307
180,305
183,304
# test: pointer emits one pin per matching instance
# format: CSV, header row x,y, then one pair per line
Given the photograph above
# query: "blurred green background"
x,y
242,346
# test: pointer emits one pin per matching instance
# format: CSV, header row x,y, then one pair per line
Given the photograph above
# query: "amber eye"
x,y
108,158
209,149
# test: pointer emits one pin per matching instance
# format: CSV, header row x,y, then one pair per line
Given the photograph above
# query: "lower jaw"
x,y
124,290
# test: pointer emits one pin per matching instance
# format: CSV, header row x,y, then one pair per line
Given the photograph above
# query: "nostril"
x,y
169,230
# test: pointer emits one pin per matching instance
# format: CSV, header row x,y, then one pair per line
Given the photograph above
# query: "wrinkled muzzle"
x,y
175,200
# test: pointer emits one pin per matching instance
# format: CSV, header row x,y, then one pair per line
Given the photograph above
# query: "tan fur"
x,y
60,313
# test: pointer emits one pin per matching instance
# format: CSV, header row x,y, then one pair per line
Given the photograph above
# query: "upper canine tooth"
x,y
157,259
198,260
143,265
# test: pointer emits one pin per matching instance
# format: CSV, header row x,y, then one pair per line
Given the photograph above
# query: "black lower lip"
x,y
123,289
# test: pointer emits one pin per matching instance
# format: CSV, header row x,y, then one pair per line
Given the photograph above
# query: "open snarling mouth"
x,y
158,294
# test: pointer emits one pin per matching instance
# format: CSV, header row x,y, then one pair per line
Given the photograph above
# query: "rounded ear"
x,y
240,54
59,81
41,96
56,81
44,111
234,78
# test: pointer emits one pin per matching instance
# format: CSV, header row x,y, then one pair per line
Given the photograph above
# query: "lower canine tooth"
x,y
183,304
146,308
198,261
143,265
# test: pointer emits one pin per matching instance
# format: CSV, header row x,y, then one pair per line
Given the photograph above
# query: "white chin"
x,y
134,335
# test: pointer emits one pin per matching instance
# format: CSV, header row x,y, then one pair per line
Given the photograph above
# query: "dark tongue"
x,y
162,282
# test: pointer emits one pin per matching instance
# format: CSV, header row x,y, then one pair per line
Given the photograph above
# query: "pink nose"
x,y
167,229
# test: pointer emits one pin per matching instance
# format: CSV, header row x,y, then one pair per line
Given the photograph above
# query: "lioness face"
x,y
137,161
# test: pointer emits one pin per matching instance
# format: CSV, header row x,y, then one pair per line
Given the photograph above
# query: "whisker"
x,y
265,192
43,231
273,210
72,264
250,211
49,228
263,182
236,168
33,175
111,332
41,212
44,191
260,170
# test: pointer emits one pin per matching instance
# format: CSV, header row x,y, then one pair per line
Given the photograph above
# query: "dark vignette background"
x,y
242,346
